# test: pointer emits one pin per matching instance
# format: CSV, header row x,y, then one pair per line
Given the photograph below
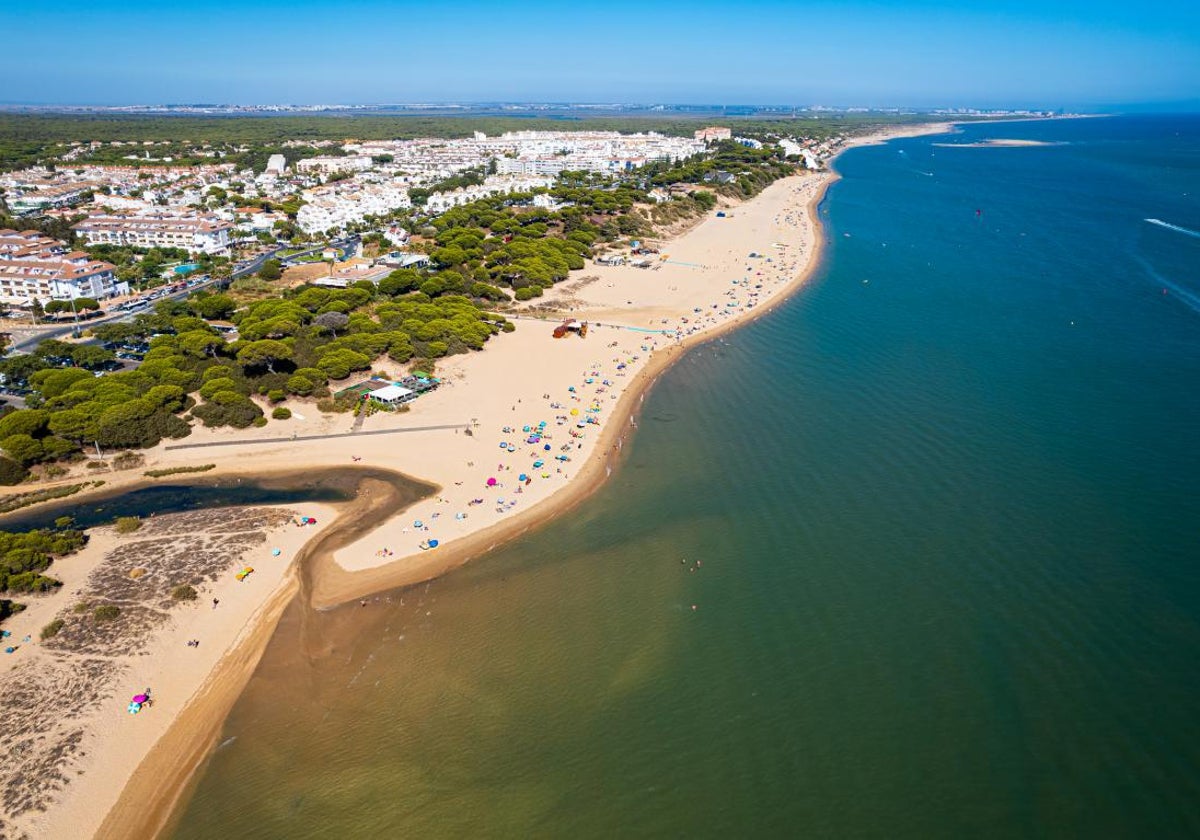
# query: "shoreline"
x,y
165,771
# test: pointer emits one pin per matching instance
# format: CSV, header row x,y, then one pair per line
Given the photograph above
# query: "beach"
x,y
515,435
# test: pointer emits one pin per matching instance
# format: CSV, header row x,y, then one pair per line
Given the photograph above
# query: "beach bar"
x,y
392,395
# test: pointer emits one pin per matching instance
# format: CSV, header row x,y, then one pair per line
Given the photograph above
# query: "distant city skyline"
x,y
917,54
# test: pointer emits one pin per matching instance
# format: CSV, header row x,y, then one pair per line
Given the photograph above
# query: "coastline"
x,y
324,579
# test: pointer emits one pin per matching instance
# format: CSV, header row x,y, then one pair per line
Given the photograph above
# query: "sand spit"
x,y
69,739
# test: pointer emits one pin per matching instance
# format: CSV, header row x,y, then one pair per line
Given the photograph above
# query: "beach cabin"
x,y
392,395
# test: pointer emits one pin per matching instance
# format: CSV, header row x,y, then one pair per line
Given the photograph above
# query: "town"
x,y
216,212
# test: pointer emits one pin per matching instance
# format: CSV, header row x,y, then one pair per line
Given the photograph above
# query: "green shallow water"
x,y
948,544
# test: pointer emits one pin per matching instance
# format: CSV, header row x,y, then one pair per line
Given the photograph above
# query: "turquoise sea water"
x,y
945,506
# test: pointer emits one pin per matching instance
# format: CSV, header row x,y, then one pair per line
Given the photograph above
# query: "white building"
x,y
276,164
790,147
337,205
36,267
330,165
195,234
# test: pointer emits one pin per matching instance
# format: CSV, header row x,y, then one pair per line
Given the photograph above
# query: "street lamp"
x,y
75,317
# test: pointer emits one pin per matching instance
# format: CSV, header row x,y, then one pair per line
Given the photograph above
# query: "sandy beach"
x,y
515,435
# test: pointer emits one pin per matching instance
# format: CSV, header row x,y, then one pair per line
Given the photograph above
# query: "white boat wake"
x,y
1176,228
1189,299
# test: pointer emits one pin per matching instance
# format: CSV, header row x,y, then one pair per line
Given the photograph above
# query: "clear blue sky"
x,y
923,52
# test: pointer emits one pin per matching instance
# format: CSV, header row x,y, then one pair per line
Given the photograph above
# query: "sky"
x,y
920,53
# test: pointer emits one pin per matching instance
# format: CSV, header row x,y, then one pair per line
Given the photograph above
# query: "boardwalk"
x,y
253,441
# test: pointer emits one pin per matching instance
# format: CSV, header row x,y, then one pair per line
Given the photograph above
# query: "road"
x,y
24,341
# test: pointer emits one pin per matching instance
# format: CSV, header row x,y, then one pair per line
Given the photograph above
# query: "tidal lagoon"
x,y
916,555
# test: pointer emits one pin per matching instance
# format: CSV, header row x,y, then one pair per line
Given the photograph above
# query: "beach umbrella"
x,y
526,429
134,708
433,543
140,698
574,412
275,552
521,477
537,464
491,482
546,447
417,523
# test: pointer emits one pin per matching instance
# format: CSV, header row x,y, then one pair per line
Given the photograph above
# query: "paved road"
x,y
251,441
24,341
30,338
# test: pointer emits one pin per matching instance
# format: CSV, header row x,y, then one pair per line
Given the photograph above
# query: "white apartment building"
x,y
440,202
329,165
195,234
50,196
36,267
347,202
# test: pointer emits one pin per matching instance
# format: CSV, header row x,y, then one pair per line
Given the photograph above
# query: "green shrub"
x,y
259,422
128,461
11,472
106,612
178,470
127,524
51,629
300,385
183,592
276,395
30,581
281,413
33,497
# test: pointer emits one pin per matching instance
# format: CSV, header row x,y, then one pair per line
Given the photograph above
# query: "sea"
x,y
917,555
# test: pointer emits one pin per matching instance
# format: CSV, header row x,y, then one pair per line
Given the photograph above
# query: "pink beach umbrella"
x,y
140,698
491,482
